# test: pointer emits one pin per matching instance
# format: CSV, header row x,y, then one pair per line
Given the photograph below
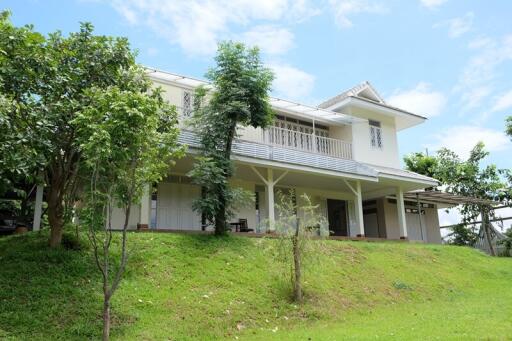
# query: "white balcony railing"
x,y
293,139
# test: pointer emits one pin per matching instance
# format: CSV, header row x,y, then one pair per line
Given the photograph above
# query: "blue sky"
x,y
450,60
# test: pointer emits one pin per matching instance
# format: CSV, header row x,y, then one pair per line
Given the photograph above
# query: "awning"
x,y
447,198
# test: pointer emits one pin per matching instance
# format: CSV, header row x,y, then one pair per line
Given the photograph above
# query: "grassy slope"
x,y
199,287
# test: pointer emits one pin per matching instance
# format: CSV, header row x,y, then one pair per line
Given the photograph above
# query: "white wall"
x,y
363,151
247,211
118,217
431,220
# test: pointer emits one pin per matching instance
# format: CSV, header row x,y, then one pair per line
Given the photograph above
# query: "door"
x,y
414,232
174,206
337,216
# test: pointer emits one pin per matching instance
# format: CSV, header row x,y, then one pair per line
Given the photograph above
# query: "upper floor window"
x,y
188,101
375,134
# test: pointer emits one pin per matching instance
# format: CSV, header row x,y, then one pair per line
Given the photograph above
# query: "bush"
x,y
70,241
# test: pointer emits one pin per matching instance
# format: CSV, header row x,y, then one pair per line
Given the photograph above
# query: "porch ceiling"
x,y
294,178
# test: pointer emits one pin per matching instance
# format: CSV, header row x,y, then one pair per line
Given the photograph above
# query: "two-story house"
x,y
343,154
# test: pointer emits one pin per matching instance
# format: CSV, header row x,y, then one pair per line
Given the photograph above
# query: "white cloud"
x,y
461,139
270,39
290,82
344,9
479,75
432,3
458,26
480,43
421,100
197,25
503,102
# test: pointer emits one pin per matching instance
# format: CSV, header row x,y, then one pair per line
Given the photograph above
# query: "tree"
x,y
463,177
21,59
47,81
508,128
421,163
296,225
239,97
128,140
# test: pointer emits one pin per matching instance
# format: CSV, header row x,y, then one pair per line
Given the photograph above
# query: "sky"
x,y
449,60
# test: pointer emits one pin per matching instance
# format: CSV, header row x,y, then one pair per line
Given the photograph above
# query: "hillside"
x,y
184,287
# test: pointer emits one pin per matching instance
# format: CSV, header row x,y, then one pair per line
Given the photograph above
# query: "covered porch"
x,y
355,206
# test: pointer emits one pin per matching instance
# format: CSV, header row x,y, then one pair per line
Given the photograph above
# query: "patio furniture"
x,y
243,226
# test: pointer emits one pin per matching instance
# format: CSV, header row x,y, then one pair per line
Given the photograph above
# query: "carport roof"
x,y
447,198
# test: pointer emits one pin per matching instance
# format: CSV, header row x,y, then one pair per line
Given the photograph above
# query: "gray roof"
x,y
352,92
402,173
355,92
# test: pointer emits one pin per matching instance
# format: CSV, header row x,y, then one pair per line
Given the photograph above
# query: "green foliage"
x,y
45,82
463,177
296,226
197,287
74,242
462,235
21,62
401,285
239,97
421,163
507,243
508,128
128,140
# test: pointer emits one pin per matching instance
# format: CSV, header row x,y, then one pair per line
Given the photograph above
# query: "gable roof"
x,y
365,96
364,90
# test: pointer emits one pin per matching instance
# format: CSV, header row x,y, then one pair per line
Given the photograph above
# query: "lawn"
x,y
197,287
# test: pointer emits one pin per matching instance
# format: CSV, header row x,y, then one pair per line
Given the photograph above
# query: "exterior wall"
x,y
391,220
118,217
432,226
363,151
430,221
319,197
174,206
247,211
343,133
172,93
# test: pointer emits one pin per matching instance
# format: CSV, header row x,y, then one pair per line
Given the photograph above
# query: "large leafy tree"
x,y
463,177
21,62
128,140
238,97
48,82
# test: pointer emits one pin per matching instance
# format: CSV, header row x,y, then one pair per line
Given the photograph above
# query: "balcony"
x,y
293,139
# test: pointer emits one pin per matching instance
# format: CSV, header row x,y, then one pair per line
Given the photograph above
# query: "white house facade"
x,y
343,154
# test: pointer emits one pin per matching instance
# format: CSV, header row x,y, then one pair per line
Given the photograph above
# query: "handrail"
x,y
307,142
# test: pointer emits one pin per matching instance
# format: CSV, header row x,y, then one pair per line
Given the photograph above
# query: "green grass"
x,y
196,287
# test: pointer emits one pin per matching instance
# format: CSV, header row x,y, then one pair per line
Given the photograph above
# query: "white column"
x,y
358,208
402,224
145,206
36,226
270,198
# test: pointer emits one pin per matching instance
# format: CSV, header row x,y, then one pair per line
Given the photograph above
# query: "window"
x,y
375,134
188,100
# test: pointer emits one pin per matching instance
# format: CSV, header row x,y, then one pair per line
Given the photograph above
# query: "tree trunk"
x,y
486,227
297,287
220,216
106,318
55,215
